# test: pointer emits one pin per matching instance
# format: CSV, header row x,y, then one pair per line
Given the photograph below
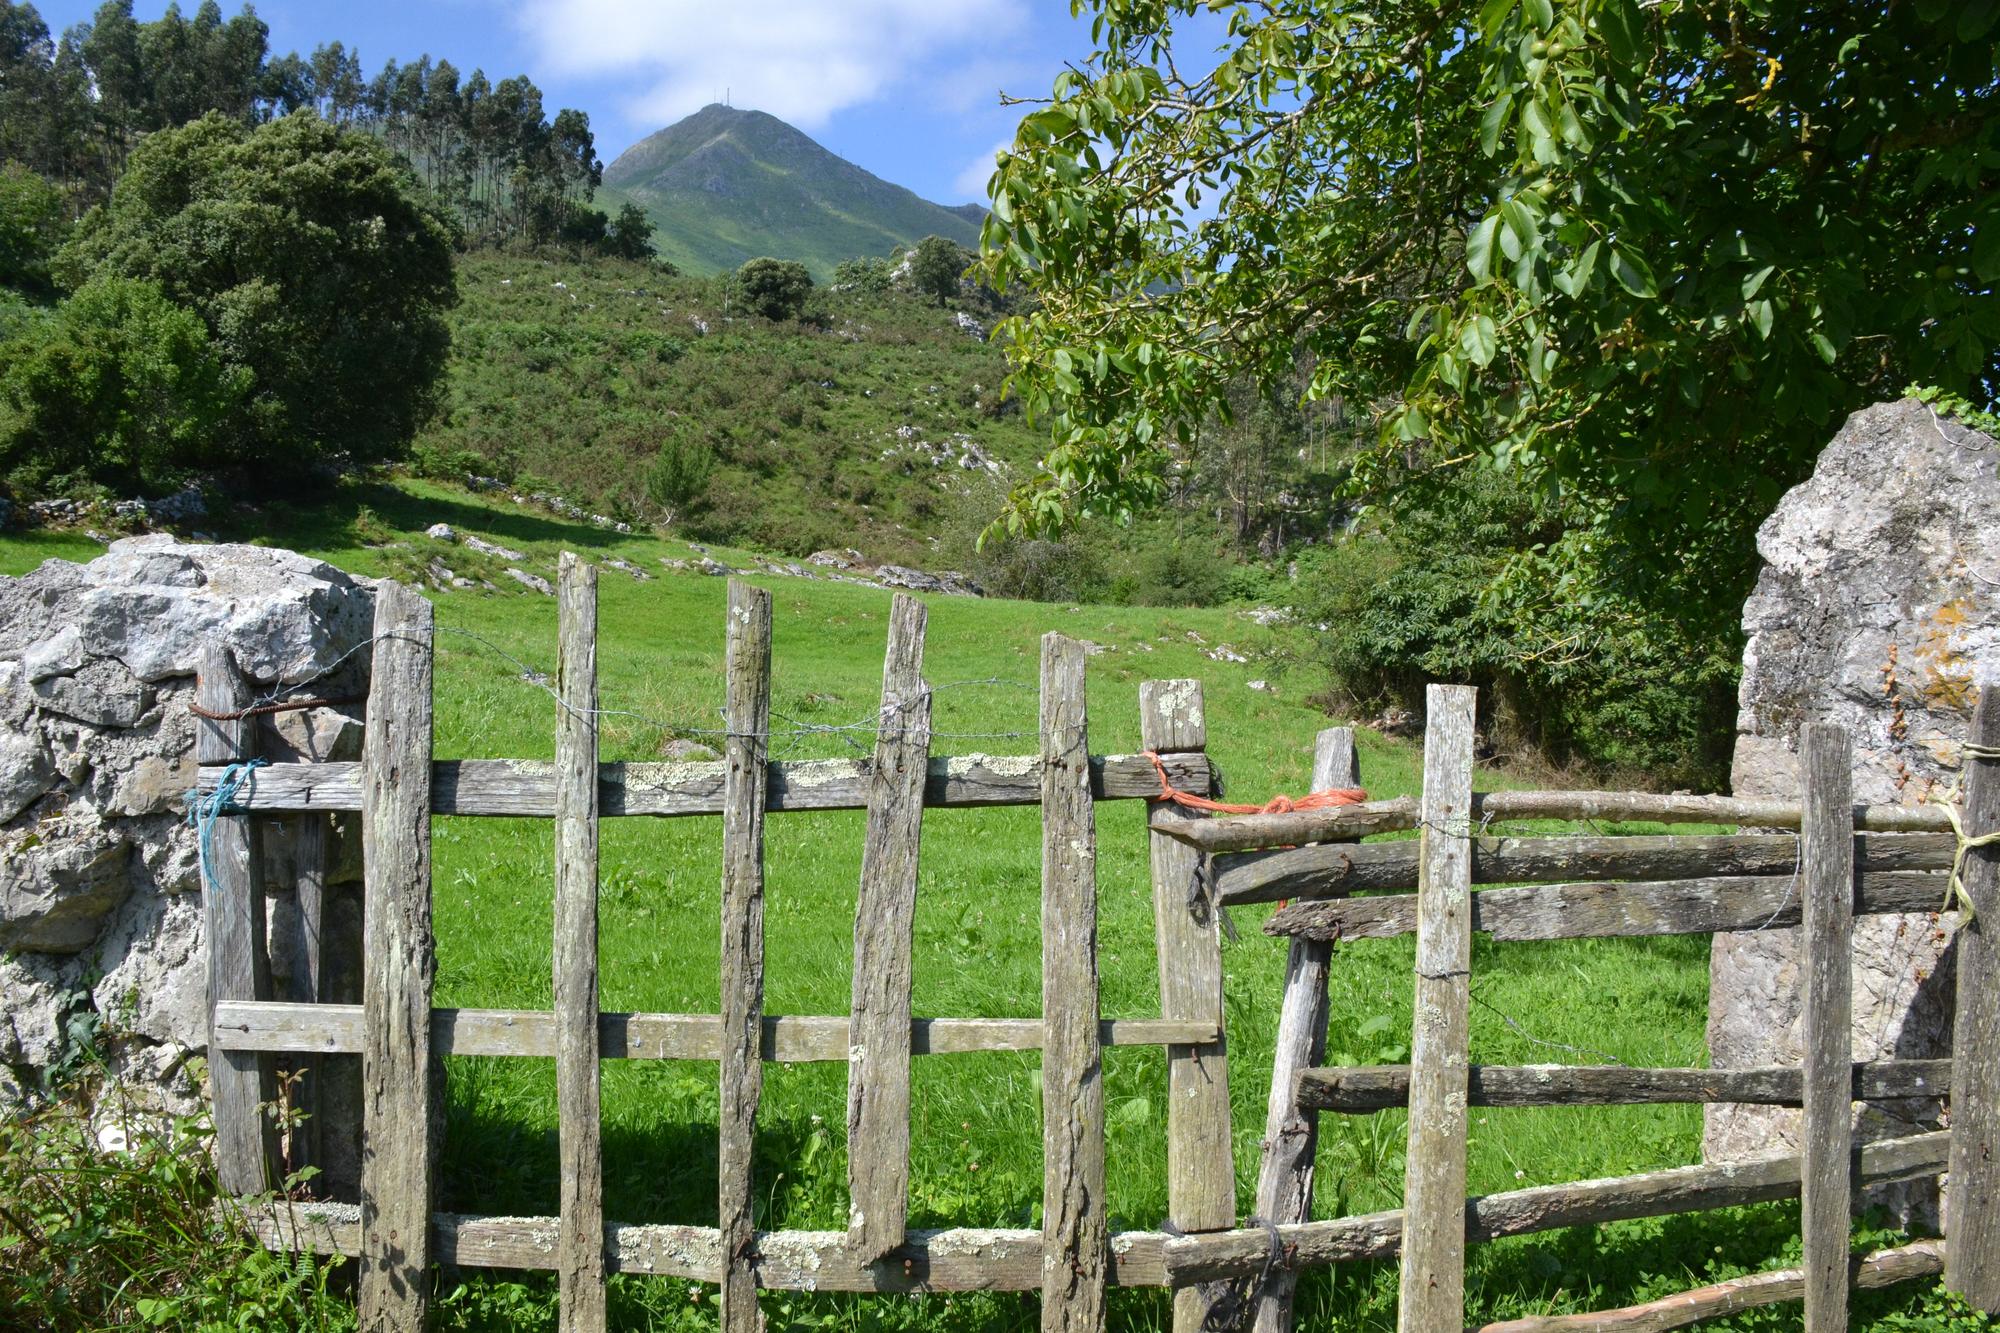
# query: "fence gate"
x,y
398,785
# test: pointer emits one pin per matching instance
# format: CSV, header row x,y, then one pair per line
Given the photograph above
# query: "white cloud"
x,y
971,182
800,60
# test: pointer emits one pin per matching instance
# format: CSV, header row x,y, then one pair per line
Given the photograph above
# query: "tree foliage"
x,y
1648,254
32,225
312,265
774,288
121,387
936,266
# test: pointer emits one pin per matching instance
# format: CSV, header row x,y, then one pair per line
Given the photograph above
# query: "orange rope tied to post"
x,y
1277,805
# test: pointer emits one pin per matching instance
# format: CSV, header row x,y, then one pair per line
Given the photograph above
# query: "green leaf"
x,y
1480,339
1824,346
1541,13
1633,275
1492,14
1620,24
1755,282
1494,121
1479,247
1762,316
1573,280
1541,140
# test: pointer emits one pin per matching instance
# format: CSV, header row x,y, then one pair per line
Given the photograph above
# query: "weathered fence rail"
x,y
1841,861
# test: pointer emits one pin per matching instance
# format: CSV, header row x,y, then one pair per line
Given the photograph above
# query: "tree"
x,y
630,235
1648,254
678,478
308,257
121,387
32,224
774,288
936,266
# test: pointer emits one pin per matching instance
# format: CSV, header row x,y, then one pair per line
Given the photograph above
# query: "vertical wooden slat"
x,y
1826,886
878,1071
1972,1219
1201,1175
240,1083
747,752
1075,1241
1291,1132
580,1243
1433,1267
399,1133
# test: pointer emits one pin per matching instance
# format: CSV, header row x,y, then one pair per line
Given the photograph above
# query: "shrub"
x,y
679,476
121,387
306,253
936,267
774,288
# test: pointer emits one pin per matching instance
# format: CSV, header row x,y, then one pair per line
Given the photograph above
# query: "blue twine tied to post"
x,y
202,813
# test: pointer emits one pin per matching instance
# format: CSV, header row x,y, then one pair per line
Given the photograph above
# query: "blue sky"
x,y
908,89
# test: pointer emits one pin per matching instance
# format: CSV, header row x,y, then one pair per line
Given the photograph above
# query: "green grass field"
x,y
976,1131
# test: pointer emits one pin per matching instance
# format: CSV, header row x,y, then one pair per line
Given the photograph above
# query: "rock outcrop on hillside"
x,y
1878,608
101,939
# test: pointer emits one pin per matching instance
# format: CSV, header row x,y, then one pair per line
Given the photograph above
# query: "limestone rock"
x,y
64,876
688,752
441,532
25,773
535,582
1878,608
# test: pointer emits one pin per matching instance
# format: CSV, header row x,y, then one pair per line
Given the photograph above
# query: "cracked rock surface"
x,y
1878,608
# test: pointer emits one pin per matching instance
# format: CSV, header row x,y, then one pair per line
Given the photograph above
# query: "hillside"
x,y
875,422
726,185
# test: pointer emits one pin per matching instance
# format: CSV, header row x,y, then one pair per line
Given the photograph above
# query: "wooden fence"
x,y
1901,860
1223,1272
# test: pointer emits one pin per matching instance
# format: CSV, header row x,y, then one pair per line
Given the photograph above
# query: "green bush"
x,y
305,251
774,288
679,476
1475,579
120,387
32,225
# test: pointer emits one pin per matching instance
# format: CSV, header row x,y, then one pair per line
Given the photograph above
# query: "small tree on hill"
x,y
937,266
630,235
678,478
774,288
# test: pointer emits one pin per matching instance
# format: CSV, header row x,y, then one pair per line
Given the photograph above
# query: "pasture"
x,y
975,1132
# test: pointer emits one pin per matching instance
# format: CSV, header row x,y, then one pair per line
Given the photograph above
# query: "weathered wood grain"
x,y
1291,1128
1578,911
1880,1268
1368,1088
1971,1219
747,672
526,788
1338,870
1075,1234
1010,1260
1243,833
1201,1175
878,1072
787,1039
400,1133
1826,885
579,1132
239,961
1432,1294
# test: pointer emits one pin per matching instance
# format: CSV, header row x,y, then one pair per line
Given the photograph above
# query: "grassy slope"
x,y
976,1130
579,383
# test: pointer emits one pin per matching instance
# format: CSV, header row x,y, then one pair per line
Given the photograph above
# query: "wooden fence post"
x,y
878,1072
1972,1221
1076,1258
399,1132
1201,1173
240,1082
1826,886
745,791
1291,1131
579,1131
1432,1298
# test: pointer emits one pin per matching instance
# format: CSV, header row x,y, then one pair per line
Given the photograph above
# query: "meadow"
x,y
976,1130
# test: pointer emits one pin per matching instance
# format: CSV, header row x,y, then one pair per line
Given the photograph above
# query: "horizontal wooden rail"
x,y
1377,1087
527,787
1328,870
1881,1268
338,1028
1011,1260
1242,833
1578,911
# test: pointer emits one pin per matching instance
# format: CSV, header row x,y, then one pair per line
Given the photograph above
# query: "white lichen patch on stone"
x,y
671,775
818,773
992,765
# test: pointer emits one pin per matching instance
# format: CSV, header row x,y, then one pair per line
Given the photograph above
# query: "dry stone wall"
x,y
1878,608
102,953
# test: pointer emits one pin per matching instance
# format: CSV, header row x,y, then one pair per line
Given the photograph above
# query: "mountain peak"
x,y
728,184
